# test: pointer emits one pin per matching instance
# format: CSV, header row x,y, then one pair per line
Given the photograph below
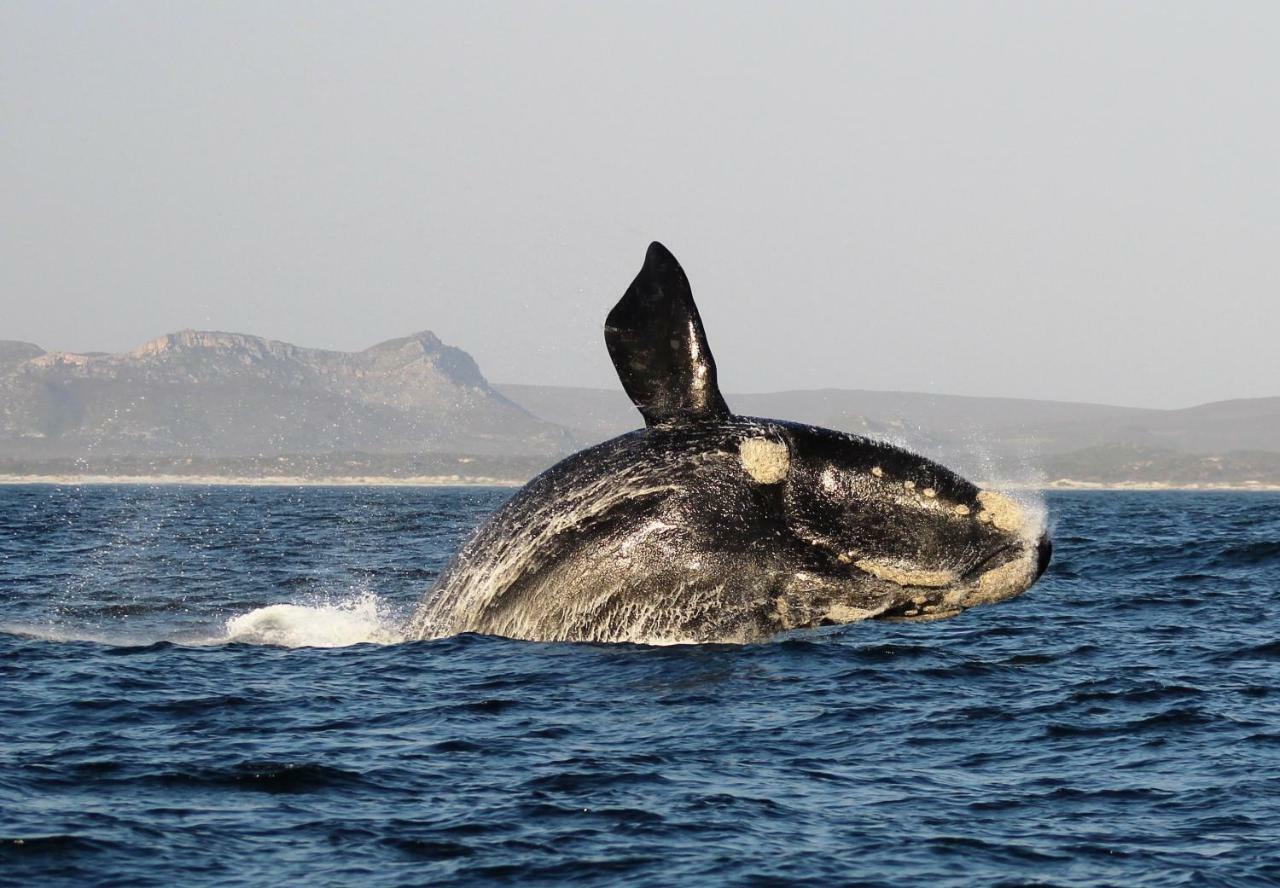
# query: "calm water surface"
x,y
202,686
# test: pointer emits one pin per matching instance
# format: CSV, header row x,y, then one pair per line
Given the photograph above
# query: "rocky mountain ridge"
x,y
205,393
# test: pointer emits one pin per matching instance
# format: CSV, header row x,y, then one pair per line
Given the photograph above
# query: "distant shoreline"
x,y
1155,486
485,481
261,481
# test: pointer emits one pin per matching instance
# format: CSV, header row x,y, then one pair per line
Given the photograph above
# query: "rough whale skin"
x,y
710,527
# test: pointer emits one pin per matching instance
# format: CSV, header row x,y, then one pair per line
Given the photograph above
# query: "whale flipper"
x,y
659,348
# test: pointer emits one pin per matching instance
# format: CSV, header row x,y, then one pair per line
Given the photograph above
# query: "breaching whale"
x,y
710,527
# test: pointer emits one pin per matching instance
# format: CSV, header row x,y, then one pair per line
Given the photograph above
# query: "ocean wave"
x,y
1113,727
262,776
364,619
1249,554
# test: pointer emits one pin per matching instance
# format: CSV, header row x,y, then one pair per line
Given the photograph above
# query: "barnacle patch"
x,y
1001,510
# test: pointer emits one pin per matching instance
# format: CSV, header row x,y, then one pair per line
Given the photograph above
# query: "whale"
x,y
709,527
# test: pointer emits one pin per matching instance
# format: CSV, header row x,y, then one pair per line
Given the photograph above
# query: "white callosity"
x,y
1002,511
765,460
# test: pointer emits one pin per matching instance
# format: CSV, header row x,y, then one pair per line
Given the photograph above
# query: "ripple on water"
x,y
207,690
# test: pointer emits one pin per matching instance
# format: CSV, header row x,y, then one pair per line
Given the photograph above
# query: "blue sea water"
x,y
203,686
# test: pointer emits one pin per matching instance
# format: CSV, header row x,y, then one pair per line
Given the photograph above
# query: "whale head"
x,y
888,534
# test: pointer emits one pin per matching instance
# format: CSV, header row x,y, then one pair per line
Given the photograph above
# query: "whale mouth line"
x,y
929,604
912,613
992,561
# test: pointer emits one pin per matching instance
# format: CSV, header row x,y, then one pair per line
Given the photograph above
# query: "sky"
x,y
1075,201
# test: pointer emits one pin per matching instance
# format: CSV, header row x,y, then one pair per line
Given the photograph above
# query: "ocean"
x,y
206,686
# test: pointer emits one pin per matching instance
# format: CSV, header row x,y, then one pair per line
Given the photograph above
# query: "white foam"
x,y
362,620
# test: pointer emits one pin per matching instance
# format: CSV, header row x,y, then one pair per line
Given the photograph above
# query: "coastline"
x,y
80,480
261,480
1154,486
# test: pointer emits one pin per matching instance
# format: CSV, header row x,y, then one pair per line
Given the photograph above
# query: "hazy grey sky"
x,y
1076,201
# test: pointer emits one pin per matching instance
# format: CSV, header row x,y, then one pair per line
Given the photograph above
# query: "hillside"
x,y
1022,440
229,394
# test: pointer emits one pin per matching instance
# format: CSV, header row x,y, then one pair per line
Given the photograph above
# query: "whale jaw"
x,y
1009,579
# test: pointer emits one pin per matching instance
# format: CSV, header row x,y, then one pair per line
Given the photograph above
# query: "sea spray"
x,y
364,619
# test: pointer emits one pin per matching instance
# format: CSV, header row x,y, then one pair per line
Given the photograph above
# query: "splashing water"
x,y
362,620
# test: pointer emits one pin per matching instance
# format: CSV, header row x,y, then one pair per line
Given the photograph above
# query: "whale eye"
x,y
765,460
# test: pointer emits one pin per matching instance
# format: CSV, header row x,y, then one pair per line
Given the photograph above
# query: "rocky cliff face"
x,y
228,394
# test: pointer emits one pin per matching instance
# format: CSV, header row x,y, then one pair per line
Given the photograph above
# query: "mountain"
x,y
207,393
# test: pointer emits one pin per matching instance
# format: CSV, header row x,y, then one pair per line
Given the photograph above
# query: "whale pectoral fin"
x,y
658,346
